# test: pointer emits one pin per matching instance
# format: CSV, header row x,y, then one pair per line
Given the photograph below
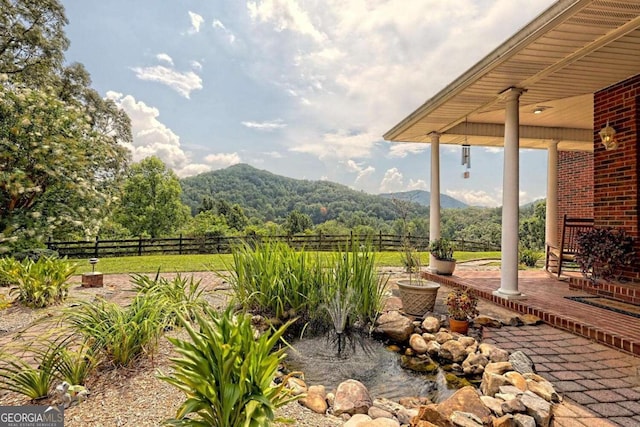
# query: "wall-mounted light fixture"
x,y
608,137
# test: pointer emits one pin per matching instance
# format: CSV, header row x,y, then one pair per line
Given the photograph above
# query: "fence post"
x,y
319,248
140,246
380,241
95,249
49,243
180,245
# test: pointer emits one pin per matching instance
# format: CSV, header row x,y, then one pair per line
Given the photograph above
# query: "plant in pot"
x,y
443,261
418,295
462,306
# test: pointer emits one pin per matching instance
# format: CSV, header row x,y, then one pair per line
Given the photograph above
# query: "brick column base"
x,y
92,280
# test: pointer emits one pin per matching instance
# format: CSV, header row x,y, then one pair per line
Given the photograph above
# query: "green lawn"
x,y
179,263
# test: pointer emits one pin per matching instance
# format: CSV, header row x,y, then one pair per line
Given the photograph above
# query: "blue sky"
x,y
303,89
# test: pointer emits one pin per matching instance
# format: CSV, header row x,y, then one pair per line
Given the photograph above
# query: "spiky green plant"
x,y
226,373
21,377
9,269
275,279
181,295
119,334
75,366
40,283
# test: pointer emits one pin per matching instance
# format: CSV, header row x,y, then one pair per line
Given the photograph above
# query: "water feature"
x,y
365,360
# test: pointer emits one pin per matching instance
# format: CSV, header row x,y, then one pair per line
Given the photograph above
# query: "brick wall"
x,y
616,171
575,185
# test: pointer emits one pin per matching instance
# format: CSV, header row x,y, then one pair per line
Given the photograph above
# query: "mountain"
x,y
423,198
271,197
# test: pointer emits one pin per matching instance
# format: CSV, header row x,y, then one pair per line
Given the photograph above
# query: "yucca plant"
x,y
21,377
226,373
119,334
40,283
180,295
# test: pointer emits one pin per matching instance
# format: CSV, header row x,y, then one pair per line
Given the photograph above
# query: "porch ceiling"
x,y
570,51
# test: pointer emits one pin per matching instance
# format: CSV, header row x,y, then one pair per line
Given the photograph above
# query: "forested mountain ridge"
x,y
272,197
423,198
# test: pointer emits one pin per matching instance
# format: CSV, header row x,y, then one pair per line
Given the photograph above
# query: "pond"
x,y
366,360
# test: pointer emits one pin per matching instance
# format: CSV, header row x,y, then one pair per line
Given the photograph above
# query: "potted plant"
x,y
443,261
462,306
417,294
603,253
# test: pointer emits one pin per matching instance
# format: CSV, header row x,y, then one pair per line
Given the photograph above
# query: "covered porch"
x,y
548,87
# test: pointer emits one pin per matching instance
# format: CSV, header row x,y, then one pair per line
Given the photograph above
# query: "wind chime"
x,y
466,159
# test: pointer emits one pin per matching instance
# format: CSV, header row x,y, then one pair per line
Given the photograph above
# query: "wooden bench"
x,y
565,252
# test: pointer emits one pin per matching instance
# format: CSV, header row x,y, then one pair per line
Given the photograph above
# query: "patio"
x,y
545,298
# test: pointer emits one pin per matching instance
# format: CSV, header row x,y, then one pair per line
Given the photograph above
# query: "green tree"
x,y
54,168
532,228
297,222
151,200
32,39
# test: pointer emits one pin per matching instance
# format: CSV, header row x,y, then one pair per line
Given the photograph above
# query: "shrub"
x,y
119,334
35,254
529,257
226,373
603,253
40,283
9,269
442,249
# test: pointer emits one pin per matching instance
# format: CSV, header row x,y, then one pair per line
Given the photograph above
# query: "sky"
x,y
304,89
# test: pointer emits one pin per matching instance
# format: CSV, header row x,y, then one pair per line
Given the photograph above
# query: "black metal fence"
x,y
223,244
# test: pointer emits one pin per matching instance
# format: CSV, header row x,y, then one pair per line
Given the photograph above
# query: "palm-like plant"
x,y
226,373
40,283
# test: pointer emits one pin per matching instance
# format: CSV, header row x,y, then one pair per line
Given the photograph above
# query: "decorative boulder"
x,y
352,397
395,326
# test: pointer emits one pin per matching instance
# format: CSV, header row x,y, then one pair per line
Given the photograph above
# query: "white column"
x,y
510,197
434,203
551,222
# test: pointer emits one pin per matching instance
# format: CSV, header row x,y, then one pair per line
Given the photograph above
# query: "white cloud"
x,y
477,197
196,22
493,150
285,15
153,138
338,144
196,65
183,83
401,150
231,38
360,169
163,57
222,160
392,181
419,184
265,126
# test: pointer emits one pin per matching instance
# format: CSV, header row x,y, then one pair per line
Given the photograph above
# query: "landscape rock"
x,y
387,405
498,368
431,324
491,382
512,406
474,364
522,420
517,380
418,344
405,415
413,402
395,326
467,341
375,412
466,399
296,385
494,404
352,397
487,321
530,319
428,337
521,362
499,355
433,348
504,421
537,407
443,336
542,387
452,350
419,364
314,402
465,419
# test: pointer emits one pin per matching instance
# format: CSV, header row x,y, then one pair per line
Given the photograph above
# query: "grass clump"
x,y
227,373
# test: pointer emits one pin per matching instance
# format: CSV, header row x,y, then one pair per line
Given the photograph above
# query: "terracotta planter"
x,y
443,267
459,326
418,296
